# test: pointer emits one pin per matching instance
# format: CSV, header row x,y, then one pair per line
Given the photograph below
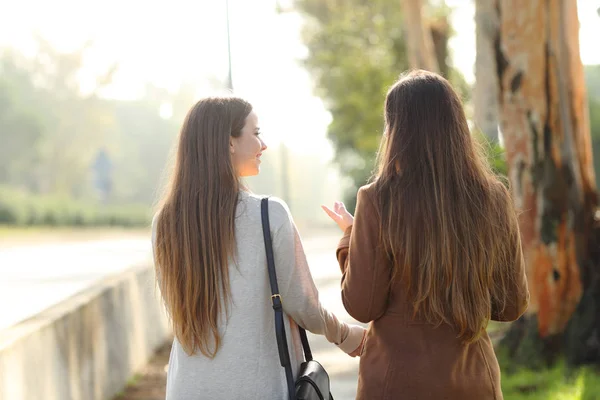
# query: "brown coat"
x,y
405,358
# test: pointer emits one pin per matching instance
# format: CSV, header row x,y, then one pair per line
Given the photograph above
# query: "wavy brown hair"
x,y
195,223
448,223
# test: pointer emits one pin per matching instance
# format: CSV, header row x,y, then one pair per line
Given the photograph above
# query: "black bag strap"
x,y
284,355
305,346
276,302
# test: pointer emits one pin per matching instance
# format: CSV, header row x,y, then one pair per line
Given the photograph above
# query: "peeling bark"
x,y
543,115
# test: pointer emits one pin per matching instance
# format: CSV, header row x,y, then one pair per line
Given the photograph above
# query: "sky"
x,y
169,43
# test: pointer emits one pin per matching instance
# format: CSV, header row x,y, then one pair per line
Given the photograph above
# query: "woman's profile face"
x,y
247,149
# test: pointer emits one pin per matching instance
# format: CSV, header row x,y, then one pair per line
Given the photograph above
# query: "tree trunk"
x,y
421,52
543,115
440,34
486,83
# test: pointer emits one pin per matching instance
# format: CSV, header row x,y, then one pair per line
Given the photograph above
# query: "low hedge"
x,y
19,208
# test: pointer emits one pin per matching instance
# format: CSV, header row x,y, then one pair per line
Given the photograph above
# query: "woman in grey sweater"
x,y
211,266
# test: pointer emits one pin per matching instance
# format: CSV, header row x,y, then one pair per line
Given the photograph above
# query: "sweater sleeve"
x,y
300,296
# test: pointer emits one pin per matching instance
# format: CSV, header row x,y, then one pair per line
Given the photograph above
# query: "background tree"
x,y
544,120
69,156
52,133
356,51
421,51
486,84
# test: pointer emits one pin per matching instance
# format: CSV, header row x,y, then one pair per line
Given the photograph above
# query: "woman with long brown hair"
x,y
211,265
433,254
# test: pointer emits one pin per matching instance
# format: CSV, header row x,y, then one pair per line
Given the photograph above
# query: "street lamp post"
x,y
283,150
229,77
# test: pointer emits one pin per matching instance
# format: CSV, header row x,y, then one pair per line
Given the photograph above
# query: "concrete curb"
x,y
88,346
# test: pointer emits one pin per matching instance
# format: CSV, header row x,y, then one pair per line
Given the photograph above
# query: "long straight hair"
x,y
195,223
448,223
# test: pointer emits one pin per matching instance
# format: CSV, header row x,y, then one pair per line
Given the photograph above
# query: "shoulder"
x,y
365,198
369,191
279,212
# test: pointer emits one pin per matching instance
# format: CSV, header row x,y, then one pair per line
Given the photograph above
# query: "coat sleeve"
x,y
300,296
366,271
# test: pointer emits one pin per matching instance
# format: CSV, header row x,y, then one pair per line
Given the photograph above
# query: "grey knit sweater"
x,y
247,365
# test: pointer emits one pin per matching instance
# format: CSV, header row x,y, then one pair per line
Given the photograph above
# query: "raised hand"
x,y
339,215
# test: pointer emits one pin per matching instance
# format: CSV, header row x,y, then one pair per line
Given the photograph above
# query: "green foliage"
x,y
493,152
592,80
592,77
356,52
594,109
19,208
51,133
556,383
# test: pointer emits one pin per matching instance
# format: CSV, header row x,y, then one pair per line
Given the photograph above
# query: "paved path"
x,y
34,277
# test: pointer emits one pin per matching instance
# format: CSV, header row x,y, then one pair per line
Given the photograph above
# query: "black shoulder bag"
x,y
313,381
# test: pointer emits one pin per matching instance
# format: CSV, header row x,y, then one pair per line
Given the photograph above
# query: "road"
x,y
34,277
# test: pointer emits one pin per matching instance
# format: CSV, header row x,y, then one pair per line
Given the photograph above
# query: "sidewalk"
x,y
343,370
150,383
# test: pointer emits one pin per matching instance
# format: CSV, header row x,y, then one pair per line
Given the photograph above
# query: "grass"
x,y
496,331
495,326
552,384
555,383
134,380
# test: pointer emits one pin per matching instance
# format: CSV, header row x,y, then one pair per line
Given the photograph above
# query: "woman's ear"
x,y
231,145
